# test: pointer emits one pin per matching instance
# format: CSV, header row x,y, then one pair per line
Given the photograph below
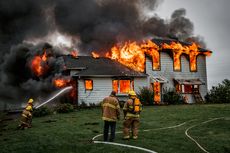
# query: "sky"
x,y
211,20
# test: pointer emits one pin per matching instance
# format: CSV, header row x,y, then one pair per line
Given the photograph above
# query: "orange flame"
x,y
60,83
191,50
156,90
152,49
74,53
39,65
115,85
133,54
177,49
88,84
129,54
95,55
124,86
64,82
194,51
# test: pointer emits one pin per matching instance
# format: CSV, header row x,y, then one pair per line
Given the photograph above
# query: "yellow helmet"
x,y
29,108
30,101
132,93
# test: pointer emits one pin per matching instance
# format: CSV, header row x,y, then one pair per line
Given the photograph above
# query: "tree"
x,y
219,93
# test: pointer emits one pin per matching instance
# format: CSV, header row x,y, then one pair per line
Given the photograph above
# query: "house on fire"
x,y
97,77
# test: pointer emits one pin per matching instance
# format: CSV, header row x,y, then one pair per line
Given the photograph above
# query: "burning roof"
x,y
159,41
133,54
102,66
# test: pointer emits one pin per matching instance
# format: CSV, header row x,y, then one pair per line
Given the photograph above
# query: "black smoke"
x,y
98,24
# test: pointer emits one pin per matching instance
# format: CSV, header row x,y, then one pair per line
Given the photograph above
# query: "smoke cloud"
x,y
95,24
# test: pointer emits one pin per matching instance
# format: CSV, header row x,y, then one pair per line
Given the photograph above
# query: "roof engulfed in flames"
x,y
132,54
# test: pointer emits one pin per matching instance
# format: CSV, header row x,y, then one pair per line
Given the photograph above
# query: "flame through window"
x,y
88,84
123,86
157,92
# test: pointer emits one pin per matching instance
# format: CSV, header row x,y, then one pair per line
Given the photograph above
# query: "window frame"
x,y
85,84
118,85
159,62
174,70
196,64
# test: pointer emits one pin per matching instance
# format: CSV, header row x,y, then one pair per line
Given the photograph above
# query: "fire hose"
x,y
56,95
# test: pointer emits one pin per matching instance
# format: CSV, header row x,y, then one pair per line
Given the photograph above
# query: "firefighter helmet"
x,y
132,93
30,101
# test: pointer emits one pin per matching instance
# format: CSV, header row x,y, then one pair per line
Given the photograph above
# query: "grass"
x,y
71,133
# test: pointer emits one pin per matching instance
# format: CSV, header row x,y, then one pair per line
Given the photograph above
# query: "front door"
x,y
157,92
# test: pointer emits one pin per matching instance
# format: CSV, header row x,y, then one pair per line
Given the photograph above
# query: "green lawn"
x,y
71,133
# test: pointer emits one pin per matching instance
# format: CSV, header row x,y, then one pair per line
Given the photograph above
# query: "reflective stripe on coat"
x,y
110,109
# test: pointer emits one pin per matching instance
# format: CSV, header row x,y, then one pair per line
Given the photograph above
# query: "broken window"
x,y
155,60
123,86
176,62
193,62
88,84
115,85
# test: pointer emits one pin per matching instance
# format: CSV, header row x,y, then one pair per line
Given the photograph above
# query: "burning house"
x,y
158,64
97,77
37,36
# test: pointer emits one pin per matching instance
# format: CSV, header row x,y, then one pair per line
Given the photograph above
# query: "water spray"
x,y
56,95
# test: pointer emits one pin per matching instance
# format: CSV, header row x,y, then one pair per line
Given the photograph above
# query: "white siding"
x,y
102,87
140,82
168,73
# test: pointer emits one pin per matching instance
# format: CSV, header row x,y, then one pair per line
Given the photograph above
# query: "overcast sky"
x,y
211,20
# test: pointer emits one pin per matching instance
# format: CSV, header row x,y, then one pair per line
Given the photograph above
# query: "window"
x,y
115,85
176,62
156,61
123,86
88,84
193,62
187,88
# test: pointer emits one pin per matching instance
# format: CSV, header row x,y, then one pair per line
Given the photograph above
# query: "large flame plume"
x,y
132,54
62,82
39,65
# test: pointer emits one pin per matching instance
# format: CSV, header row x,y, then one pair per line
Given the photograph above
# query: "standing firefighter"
x,y
110,114
26,117
131,109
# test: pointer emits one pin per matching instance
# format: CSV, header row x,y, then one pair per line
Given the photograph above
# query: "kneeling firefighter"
x,y
131,109
26,116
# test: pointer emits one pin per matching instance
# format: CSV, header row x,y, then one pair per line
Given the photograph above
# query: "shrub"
x,y
170,96
93,105
42,111
220,93
64,108
83,105
146,96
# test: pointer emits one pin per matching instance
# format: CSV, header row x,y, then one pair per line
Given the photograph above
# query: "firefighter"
x,y
131,109
110,114
26,117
